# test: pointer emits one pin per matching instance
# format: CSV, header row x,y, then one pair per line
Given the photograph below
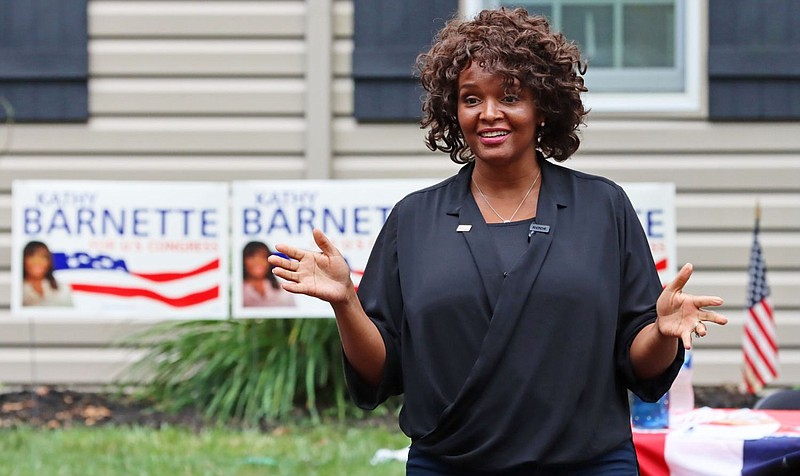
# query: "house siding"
x,y
219,91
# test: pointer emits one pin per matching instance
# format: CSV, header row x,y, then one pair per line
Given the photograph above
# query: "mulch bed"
x,y
55,408
725,396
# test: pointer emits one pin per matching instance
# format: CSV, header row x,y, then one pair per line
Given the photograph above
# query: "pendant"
x,y
506,221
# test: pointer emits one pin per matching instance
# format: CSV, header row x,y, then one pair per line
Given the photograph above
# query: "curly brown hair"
x,y
518,47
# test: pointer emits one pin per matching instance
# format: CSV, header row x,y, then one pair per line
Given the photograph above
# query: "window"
x,y
643,55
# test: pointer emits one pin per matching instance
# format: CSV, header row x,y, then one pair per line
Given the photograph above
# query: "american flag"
x,y
760,346
112,276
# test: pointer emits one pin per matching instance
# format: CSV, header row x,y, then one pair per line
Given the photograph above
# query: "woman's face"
x,y
37,264
256,265
498,122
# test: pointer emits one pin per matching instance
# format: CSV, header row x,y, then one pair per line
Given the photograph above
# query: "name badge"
x,y
537,228
463,228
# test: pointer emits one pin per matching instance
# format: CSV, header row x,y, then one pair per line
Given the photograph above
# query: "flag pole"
x,y
758,209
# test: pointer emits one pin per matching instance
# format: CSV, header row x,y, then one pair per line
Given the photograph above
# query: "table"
x,y
722,442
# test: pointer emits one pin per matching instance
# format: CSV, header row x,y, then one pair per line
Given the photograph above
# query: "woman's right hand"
x,y
324,275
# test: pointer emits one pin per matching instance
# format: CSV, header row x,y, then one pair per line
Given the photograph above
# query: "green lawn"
x,y
107,451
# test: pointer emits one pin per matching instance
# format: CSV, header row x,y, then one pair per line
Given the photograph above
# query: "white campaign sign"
x,y
120,249
350,212
161,249
655,207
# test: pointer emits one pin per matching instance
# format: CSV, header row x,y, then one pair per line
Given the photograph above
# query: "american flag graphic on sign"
x,y
760,345
110,276
123,249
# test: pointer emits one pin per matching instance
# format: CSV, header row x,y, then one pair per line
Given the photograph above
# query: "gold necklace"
x,y
518,206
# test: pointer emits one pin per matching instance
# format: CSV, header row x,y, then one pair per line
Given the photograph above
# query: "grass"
x,y
319,450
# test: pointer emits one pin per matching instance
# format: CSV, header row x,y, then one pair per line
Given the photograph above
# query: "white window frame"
x,y
690,103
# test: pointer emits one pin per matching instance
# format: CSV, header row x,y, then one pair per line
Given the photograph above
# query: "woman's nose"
x,y
490,111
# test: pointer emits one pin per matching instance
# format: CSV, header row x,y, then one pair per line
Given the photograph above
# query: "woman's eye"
x,y
511,98
470,101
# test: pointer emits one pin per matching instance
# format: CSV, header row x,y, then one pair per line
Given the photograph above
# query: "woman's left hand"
x,y
681,314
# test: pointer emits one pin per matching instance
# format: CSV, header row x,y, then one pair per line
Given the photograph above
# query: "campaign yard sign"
x,y
162,249
350,212
655,207
120,249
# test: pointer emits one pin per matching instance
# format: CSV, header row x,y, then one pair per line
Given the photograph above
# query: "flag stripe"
x,y
754,380
764,325
751,380
764,311
766,353
650,453
760,340
661,265
164,277
183,301
756,363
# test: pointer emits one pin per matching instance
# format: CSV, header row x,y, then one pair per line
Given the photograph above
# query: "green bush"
x,y
247,370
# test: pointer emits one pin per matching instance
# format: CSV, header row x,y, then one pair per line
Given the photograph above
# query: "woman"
x,y
39,286
514,303
260,288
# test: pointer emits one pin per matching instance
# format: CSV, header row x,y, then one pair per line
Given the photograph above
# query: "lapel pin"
x,y
537,228
463,228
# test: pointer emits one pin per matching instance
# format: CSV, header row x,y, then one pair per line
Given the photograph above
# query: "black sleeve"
x,y
382,300
639,292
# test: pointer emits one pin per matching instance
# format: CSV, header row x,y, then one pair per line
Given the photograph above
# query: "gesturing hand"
x,y
681,314
324,275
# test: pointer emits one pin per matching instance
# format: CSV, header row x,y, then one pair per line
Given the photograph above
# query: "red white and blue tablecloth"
x,y
714,446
